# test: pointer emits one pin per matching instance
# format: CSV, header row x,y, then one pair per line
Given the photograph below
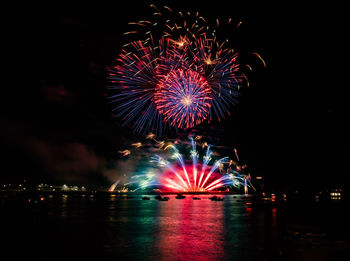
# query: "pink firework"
x,y
183,97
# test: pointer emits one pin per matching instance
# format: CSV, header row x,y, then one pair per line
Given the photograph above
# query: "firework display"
x,y
194,170
183,98
177,73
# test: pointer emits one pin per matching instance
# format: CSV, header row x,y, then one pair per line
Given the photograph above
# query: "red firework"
x,y
183,97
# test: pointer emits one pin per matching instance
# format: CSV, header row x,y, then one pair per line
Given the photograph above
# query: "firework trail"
x,y
132,86
177,74
125,152
113,186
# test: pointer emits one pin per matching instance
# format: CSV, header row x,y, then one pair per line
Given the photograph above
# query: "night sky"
x,y
289,124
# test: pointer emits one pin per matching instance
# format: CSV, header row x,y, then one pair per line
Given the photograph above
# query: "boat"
x,y
215,198
195,198
160,198
146,198
179,196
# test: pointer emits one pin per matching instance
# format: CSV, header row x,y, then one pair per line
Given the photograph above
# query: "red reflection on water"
x,y
191,230
248,210
274,226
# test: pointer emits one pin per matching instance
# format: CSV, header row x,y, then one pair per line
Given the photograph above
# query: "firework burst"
x,y
183,98
179,75
197,171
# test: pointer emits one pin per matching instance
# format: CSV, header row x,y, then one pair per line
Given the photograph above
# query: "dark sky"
x,y
289,125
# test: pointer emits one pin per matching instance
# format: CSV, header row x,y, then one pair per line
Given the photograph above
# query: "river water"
x,y
106,227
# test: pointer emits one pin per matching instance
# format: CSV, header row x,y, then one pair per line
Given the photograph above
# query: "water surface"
x,y
106,227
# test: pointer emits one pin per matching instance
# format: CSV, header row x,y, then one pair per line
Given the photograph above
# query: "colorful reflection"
x,y
195,230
